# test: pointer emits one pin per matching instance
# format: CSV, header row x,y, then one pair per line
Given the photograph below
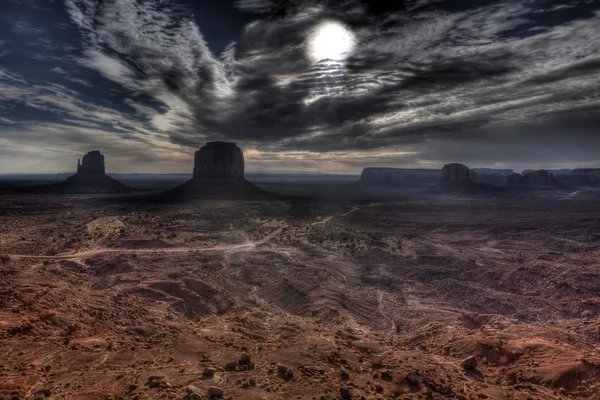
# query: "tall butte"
x,y
90,178
219,161
218,171
93,163
91,175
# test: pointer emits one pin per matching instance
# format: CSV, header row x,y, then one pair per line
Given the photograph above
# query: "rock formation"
x,y
218,171
93,163
536,178
398,176
540,177
219,160
458,179
514,179
491,179
90,177
587,177
456,173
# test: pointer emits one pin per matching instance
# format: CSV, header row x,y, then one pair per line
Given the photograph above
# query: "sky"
x,y
329,86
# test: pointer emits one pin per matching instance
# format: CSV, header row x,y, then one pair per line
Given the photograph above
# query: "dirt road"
x,y
94,252
225,248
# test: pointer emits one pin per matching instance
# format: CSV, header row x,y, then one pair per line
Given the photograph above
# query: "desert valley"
x,y
375,289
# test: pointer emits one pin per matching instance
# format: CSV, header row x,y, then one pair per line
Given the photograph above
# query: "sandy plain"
x,y
108,299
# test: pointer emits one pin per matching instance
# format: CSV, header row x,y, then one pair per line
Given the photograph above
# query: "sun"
x,y
330,40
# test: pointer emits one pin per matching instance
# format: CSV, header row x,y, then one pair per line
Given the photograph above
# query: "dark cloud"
x,y
431,80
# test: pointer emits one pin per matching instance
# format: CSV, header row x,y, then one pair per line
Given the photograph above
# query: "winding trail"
x,y
323,221
382,311
350,212
225,247
91,253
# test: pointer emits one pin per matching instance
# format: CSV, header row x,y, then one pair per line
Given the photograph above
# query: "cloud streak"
x,y
433,81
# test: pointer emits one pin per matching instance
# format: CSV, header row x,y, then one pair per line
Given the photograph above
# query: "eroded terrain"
x,y
266,300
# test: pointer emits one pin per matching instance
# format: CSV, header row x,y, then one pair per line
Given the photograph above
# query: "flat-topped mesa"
x,y
91,176
539,178
514,179
218,172
458,179
93,163
534,178
219,161
456,173
580,177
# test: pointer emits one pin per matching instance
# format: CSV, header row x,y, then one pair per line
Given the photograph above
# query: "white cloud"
x,y
111,68
58,70
413,78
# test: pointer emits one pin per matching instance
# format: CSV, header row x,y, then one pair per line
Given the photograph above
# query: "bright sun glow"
x,y
330,40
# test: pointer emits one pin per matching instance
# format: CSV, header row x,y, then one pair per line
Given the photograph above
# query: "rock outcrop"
x,y
93,163
218,172
398,176
491,176
456,173
587,177
458,179
535,178
491,179
539,177
219,161
514,179
90,178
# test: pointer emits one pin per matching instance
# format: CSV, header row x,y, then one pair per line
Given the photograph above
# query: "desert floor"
x,y
112,300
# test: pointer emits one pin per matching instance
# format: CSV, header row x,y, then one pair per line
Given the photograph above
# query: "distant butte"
x,y
458,179
534,179
90,177
218,171
219,161
456,173
93,163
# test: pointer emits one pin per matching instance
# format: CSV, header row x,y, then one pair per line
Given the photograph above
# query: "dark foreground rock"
x,y
469,363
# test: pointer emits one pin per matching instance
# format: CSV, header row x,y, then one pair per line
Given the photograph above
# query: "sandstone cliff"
x,y
456,173
90,178
218,172
535,178
458,179
93,163
514,179
219,160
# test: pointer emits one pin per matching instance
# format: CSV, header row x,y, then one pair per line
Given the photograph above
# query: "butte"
x,y
90,178
218,172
